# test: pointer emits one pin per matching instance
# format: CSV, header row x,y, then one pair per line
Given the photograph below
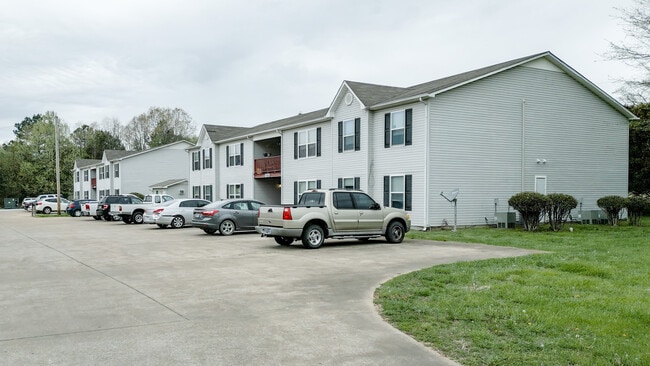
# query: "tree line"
x,y
27,163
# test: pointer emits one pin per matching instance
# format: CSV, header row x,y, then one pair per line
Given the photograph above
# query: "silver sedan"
x,y
227,216
175,213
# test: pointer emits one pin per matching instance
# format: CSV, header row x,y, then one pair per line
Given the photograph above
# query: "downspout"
x,y
427,151
523,143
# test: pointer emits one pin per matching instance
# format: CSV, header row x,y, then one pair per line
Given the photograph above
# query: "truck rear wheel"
x,y
313,237
137,217
283,240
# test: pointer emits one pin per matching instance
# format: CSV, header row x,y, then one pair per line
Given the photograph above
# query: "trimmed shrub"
x,y
531,207
636,206
612,205
558,209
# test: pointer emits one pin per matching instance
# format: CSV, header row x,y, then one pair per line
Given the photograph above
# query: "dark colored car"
x,y
104,205
227,216
75,207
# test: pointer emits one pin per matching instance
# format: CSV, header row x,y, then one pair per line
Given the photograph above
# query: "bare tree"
x,y
159,126
635,50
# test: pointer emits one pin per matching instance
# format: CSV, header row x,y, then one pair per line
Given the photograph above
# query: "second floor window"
x,y
398,128
85,175
350,135
235,154
207,159
116,170
107,170
76,176
196,161
307,143
101,172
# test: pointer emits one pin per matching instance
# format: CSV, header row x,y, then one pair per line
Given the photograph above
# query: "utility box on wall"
x,y
506,220
11,203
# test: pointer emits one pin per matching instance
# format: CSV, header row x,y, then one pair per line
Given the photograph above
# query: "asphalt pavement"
x,y
76,291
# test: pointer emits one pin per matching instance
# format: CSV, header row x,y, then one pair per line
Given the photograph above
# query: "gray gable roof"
x,y
371,94
117,154
168,183
289,121
83,163
220,132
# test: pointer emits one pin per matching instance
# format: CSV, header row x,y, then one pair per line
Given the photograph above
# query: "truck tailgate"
x,y
270,216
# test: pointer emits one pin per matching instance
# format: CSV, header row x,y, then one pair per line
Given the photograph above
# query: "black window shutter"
x,y
193,161
203,160
210,159
357,183
241,159
340,136
409,127
295,192
387,130
227,190
318,184
340,185
407,192
386,191
295,145
241,191
227,156
318,141
357,134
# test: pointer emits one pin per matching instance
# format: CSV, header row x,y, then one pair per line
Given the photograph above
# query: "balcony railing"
x,y
268,167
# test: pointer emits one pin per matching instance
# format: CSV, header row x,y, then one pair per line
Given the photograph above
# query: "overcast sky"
x,y
248,62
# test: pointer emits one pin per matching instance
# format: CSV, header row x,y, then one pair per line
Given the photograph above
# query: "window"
x,y
235,155
349,183
86,196
307,143
235,190
540,184
85,175
117,191
196,160
343,201
350,135
107,170
207,193
116,170
76,176
101,172
196,191
207,158
362,201
398,128
303,185
397,191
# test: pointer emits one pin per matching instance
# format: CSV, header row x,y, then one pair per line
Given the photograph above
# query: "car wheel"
x,y
283,240
395,232
210,231
77,213
161,226
97,217
227,227
313,237
177,222
138,218
47,210
127,220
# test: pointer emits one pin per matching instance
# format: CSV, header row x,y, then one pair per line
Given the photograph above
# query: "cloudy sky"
x,y
249,62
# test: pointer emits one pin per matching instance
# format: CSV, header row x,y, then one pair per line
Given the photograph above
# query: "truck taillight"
x,y
286,214
119,208
104,207
210,212
87,207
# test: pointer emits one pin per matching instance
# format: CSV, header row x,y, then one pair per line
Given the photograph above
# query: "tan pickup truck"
x,y
334,213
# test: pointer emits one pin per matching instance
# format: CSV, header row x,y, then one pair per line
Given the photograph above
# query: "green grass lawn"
x,y
587,302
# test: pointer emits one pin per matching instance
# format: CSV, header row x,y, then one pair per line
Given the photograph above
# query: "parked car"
x,y
227,216
27,202
104,206
134,212
48,205
75,208
175,213
30,203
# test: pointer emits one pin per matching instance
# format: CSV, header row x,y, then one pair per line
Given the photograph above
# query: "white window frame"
x,y
394,128
196,191
117,191
305,143
348,180
234,190
116,170
101,172
393,192
348,134
207,158
196,160
234,155
86,174
86,195
207,192
76,176
107,170
306,185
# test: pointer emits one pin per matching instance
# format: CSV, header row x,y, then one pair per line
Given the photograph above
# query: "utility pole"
x,y
58,170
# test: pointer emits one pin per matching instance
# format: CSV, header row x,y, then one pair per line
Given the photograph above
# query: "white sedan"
x,y
175,213
47,205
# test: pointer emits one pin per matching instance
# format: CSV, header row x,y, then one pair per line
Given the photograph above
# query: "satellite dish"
x,y
450,196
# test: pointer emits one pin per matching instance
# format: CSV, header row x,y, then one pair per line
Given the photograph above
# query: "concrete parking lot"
x,y
76,291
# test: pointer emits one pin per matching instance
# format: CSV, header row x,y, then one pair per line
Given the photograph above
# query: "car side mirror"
x,y
375,206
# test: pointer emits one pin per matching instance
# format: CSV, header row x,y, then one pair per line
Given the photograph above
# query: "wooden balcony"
x,y
268,167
